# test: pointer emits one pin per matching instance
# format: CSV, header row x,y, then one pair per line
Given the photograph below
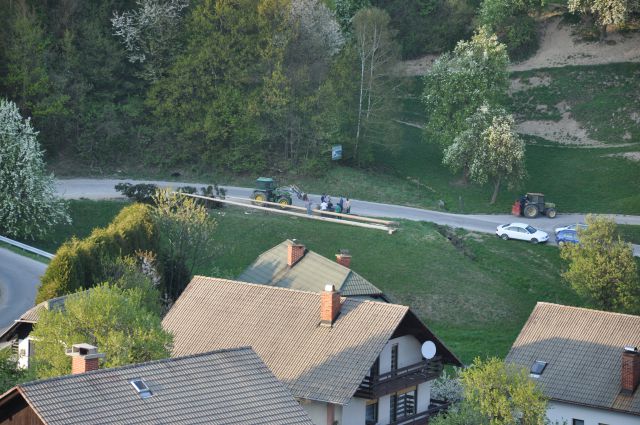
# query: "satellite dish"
x,y
428,350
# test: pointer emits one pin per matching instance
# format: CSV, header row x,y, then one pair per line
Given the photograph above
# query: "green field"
x,y
475,293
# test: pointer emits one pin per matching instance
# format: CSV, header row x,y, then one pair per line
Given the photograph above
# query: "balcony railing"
x,y
373,387
422,418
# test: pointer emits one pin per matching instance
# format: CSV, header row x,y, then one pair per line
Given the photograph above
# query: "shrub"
x,y
142,192
79,262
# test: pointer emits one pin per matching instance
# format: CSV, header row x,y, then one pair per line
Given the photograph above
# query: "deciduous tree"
x,y
186,232
605,12
29,206
460,82
489,149
602,267
377,55
503,393
150,32
115,320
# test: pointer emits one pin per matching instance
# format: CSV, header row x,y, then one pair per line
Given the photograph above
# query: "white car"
x,y
521,231
575,227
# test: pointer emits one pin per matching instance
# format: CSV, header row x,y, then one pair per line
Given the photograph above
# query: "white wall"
x,y
24,352
408,352
316,410
353,413
561,412
424,396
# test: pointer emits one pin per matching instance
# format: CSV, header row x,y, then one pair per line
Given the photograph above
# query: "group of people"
x,y
342,206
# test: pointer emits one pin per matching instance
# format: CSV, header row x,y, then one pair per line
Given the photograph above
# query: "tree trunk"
x,y
496,189
363,59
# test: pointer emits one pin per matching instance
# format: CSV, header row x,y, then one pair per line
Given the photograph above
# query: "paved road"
x,y
19,277
100,189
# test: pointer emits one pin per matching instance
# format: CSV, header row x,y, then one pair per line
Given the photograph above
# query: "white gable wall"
x,y
562,412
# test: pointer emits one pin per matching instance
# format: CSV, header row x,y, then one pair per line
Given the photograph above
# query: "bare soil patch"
x,y
632,156
558,47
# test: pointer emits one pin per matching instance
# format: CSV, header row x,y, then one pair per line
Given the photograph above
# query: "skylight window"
x,y
141,388
537,368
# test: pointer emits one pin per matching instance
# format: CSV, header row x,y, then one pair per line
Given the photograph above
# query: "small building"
x,y
219,387
17,337
291,265
348,361
586,361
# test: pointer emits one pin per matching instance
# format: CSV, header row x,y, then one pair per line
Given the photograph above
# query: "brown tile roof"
x,y
311,273
583,349
283,327
220,387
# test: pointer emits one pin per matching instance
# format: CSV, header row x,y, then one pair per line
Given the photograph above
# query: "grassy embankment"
x,y
476,296
602,99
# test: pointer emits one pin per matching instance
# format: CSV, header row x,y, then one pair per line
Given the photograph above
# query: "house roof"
x,y
221,387
311,273
583,349
31,316
283,326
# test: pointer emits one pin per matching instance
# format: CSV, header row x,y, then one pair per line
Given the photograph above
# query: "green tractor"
x,y
266,191
532,204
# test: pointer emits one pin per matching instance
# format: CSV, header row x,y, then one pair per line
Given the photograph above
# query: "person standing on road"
x,y
347,206
307,203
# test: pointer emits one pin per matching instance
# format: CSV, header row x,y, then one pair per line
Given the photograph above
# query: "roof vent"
x,y
141,388
537,368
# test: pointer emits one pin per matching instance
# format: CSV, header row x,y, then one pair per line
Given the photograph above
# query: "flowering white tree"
x,y
317,26
605,12
28,205
149,33
489,150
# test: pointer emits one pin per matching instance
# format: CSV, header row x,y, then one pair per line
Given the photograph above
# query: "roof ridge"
x,y
133,365
291,290
613,313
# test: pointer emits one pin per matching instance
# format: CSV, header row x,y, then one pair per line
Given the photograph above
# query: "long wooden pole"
x,y
387,229
335,214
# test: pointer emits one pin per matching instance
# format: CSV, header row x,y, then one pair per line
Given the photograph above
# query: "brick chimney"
x,y
295,251
84,358
344,258
630,369
329,305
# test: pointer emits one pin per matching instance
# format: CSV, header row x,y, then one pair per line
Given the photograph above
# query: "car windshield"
x,y
531,229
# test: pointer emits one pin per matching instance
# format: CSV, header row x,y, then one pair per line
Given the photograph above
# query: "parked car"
x,y
573,227
567,236
521,231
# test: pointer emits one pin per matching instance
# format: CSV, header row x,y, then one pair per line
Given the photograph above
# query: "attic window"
x,y
537,368
142,388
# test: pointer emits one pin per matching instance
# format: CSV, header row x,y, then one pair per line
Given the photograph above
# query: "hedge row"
x,y
78,263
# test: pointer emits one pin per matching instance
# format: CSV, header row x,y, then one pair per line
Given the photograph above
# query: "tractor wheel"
x,y
551,213
259,198
534,241
284,202
531,211
505,237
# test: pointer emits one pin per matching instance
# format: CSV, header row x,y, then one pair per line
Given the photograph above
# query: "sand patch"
x,y
522,84
632,156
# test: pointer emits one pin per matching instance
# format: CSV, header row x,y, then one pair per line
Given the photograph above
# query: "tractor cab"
x,y
265,184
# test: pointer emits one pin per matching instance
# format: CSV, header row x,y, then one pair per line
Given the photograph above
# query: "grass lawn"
x,y
629,233
85,215
476,295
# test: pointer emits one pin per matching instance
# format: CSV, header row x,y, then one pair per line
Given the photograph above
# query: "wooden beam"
x,y
389,230
348,216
